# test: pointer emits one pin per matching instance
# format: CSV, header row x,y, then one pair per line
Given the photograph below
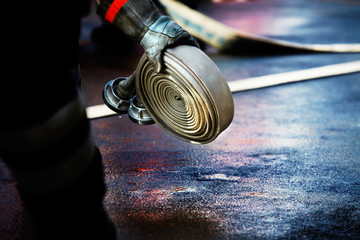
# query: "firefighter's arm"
x,y
141,21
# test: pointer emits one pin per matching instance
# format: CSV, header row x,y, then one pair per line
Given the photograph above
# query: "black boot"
x,y
74,212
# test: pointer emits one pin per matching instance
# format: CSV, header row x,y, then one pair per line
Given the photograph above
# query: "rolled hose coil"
x,y
190,99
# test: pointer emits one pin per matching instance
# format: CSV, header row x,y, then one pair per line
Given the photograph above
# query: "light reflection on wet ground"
x,y
256,189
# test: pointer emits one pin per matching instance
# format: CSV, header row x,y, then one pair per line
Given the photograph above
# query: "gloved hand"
x,y
141,21
162,34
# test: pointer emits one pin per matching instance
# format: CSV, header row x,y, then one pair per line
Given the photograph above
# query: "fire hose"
x,y
102,110
190,99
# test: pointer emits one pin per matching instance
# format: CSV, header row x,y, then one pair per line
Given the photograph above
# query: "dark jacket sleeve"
x,y
133,17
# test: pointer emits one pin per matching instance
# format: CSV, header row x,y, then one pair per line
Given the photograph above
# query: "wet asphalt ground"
x,y
288,167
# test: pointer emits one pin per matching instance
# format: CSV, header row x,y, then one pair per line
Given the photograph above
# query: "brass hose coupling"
x,y
190,99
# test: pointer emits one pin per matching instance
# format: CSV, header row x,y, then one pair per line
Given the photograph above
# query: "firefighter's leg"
x,y
57,166
45,136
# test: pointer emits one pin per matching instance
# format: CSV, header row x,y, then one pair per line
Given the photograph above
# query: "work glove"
x,y
164,33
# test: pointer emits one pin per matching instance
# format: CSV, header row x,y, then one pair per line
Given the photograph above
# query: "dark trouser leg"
x,y
59,173
44,133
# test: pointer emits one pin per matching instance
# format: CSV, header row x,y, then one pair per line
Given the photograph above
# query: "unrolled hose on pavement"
x,y
190,99
102,110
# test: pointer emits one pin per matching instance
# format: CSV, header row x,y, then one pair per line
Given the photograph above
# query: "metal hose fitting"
x,y
116,94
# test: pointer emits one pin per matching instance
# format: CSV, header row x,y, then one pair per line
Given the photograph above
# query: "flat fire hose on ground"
x,y
100,111
224,37
190,99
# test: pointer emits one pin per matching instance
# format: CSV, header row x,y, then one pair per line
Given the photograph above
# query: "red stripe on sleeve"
x,y
114,9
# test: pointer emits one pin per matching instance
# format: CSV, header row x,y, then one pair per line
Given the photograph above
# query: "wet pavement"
x,y
304,22
288,167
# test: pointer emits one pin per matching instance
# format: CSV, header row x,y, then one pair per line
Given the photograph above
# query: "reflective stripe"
x,y
114,8
61,175
46,133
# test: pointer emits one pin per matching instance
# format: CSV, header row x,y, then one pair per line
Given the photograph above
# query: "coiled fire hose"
x,y
190,99
117,105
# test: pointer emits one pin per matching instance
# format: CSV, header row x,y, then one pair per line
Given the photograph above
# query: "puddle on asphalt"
x,y
274,156
219,177
172,190
182,189
159,195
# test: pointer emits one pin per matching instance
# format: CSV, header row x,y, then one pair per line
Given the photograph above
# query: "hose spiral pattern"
x,y
190,98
